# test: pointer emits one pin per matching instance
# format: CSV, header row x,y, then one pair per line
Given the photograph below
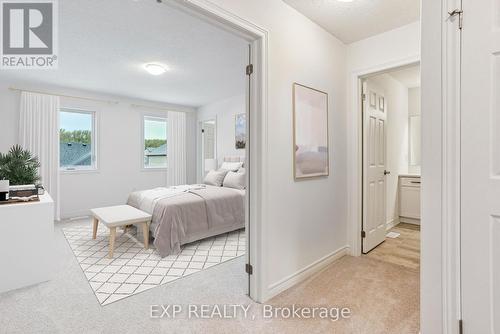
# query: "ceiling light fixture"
x,y
155,69
345,0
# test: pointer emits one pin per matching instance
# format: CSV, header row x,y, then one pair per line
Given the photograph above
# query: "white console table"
x,y
26,250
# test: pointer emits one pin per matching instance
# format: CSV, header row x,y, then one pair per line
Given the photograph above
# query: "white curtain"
x,y
176,148
39,133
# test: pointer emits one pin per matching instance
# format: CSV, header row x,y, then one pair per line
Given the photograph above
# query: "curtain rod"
x,y
62,95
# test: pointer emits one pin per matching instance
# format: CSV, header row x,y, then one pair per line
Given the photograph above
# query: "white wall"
x,y
414,110
396,99
224,112
9,117
435,291
304,222
391,49
392,46
414,101
119,146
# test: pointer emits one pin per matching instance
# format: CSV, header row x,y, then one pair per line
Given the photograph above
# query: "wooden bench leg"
x,y
94,232
145,232
112,236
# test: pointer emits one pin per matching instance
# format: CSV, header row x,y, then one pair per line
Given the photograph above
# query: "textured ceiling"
x,y
359,19
104,44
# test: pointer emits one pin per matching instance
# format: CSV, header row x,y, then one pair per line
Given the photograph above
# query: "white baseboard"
x,y
412,221
391,223
304,273
76,215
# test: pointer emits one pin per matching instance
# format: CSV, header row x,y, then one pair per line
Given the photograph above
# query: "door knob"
x,y
386,172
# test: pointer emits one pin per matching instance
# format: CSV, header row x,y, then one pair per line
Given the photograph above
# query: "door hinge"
x,y
202,130
363,234
249,69
364,96
460,14
460,327
249,269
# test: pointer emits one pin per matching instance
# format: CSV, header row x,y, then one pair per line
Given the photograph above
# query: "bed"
x,y
187,213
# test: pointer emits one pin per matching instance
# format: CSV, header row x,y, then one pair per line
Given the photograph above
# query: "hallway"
x,y
383,299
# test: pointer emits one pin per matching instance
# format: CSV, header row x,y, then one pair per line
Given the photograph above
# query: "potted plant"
x,y
19,166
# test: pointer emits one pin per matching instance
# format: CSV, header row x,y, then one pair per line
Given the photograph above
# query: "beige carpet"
x,y
383,297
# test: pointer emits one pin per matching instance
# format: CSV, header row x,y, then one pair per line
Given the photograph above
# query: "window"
x,y
77,140
155,142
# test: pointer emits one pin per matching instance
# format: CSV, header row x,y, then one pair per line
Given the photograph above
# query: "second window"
x,y
155,142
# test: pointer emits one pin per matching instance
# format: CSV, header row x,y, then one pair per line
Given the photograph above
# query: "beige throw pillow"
x,y
234,180
215,177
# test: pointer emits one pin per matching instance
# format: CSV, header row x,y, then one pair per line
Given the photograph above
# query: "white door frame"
x,y
440,251
440,233
355,148
257,150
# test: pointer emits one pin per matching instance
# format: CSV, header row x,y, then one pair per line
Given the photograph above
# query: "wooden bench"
x,y
120,216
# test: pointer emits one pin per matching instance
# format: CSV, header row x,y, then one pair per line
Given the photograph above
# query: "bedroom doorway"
x,y
253,114
144,106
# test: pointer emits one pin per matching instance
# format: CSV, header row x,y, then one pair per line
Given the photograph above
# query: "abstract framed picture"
x,y
240,131
310,132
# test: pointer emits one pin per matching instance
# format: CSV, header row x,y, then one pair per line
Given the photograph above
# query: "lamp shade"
x,y
210,164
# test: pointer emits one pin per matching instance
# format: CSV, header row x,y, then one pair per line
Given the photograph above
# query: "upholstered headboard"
x,y
234,159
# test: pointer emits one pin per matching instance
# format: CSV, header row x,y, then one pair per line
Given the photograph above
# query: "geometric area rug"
x,y
134,269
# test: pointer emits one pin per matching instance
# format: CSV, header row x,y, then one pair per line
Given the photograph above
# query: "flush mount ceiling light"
x,y
155,69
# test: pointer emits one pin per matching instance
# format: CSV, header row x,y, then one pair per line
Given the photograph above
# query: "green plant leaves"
x,y
19,166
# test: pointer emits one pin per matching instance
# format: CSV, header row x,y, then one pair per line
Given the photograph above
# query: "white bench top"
x,y
120,215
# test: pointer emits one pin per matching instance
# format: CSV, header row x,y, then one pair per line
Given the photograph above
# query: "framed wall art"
x,y
310,132
240,131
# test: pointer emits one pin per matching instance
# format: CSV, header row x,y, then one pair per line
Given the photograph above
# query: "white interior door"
x,y
374,165
480,179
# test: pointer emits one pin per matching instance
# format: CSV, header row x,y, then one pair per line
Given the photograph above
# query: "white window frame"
x,y
93,141
143,140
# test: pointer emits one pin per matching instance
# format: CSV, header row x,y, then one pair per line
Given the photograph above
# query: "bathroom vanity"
x,y
409,199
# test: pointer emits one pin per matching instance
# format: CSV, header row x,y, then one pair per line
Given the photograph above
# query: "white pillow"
x,y
232,166
215,177
242,170
234,180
